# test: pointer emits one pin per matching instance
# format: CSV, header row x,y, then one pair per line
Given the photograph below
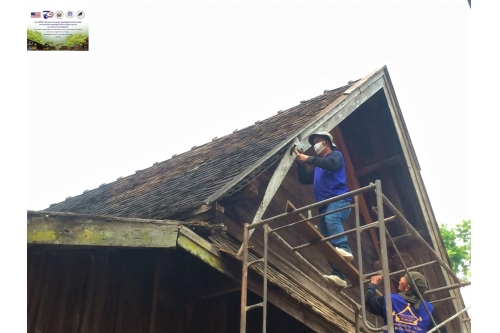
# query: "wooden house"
x,y
157,251
34,46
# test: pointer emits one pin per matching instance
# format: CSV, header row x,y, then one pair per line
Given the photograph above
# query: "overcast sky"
x,y
162,77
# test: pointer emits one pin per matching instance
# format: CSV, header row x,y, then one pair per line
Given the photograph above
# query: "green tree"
x,y
72,40
35,36
457,241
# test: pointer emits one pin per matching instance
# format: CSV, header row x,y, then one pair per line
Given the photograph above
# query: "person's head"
x,y
420,283
322,143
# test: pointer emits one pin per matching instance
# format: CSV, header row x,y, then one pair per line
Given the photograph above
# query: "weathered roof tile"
x,y
187,180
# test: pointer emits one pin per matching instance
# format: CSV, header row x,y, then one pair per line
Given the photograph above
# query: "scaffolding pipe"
x,y
264,294
309,218
453,286
443,300
412,230
244,277
449,319
400,271
383,232
317,204
360,265
363,228
412,283
383,252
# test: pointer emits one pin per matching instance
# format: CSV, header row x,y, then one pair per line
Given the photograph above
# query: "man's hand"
x,y
302,158
376,279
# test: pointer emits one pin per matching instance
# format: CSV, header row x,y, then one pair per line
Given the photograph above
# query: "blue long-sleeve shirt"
x,y
376,305
328,177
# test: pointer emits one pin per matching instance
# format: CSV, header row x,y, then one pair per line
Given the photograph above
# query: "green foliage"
x,y
35,36
72,40
457,241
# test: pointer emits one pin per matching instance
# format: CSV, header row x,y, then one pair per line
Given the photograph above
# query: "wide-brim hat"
x,y
327,135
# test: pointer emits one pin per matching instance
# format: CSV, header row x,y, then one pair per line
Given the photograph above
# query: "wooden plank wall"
x,y
134,290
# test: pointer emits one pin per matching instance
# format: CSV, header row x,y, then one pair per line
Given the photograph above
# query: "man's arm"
x,y
331,162
373,303
305,176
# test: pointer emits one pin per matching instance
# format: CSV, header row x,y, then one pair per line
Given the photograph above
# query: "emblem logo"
x,y
70,14
47,14
80,14
59,14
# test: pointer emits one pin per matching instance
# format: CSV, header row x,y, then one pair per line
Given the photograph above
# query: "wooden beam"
x,y
74,229
192,212
406,238
354,184
33,213
379,165
223,288
205,251
248,192
275,182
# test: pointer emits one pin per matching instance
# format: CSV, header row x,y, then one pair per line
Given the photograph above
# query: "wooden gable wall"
x,y
368,139
104,289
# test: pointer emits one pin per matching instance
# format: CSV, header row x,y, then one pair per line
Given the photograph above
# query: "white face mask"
x,y
318,148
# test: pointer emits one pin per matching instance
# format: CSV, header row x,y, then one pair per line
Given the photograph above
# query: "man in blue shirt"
x,y
327,174
408,313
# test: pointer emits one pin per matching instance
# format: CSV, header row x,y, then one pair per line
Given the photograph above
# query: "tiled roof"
x,y
186,180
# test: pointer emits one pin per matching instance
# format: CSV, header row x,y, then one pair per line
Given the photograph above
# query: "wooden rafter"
x,y
379,165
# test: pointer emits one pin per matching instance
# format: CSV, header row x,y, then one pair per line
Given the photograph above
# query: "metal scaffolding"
x,y
359,309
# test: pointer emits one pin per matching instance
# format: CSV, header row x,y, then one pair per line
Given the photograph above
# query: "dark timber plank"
x,y
309,232
379,165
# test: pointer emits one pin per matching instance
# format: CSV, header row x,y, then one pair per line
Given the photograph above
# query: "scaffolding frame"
x,y
359,309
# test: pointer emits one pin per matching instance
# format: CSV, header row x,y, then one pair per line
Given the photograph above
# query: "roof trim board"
x,y
410,160
88,230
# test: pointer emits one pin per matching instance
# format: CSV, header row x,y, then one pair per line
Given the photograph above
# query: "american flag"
x,y
35,15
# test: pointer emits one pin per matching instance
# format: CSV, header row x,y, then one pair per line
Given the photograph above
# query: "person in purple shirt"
x,y
409,315
327,174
